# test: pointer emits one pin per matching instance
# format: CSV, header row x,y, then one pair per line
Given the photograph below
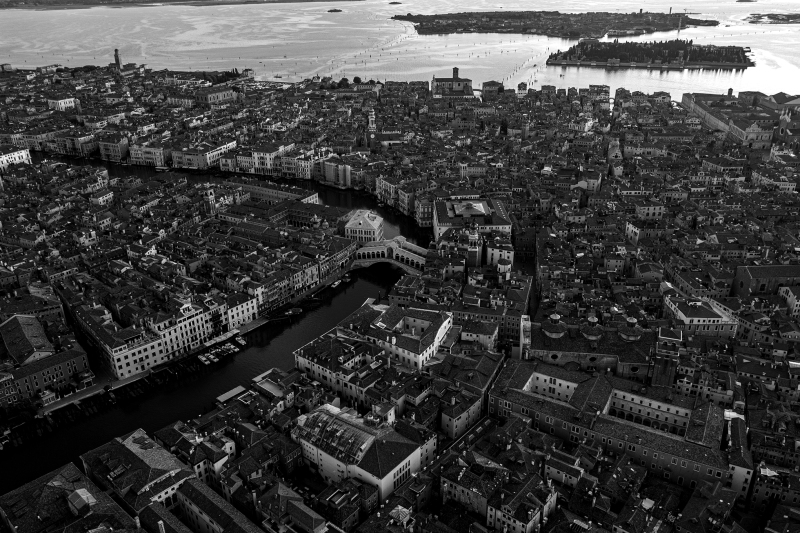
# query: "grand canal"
x,y
269,346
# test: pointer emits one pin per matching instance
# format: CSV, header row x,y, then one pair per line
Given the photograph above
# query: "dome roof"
x,y
554,330
592,332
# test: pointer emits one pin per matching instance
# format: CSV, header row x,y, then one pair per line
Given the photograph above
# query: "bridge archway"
x,y
397,251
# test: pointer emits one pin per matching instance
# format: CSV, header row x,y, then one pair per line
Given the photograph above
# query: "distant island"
x,y
552,23
774,18
671,55
334,11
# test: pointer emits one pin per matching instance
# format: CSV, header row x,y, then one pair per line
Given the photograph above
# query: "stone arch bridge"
x,y
398,252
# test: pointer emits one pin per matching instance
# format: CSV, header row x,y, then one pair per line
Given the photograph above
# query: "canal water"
x,y
268,347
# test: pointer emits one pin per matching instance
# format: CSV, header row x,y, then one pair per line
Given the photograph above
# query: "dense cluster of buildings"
x,y
642,377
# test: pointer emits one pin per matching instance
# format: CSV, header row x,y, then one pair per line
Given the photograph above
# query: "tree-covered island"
x,y
553,23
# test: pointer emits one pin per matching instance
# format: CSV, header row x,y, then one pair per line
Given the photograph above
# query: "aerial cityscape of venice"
x,y
418,266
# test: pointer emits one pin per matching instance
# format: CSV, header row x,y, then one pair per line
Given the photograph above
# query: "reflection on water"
x,y
302,39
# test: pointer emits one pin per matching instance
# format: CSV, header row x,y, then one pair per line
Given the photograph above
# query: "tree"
x,y
343,83
356,80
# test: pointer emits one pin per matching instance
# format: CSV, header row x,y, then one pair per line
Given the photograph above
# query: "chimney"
x,y
161,527
455,73
255,500
138,524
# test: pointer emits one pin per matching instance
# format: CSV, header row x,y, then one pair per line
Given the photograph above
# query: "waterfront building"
x,y
182,326
201,156
113,146
410,336
152,153
273,193
11,155
364,226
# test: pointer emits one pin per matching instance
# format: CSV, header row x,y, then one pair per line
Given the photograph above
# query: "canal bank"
x,y
267,347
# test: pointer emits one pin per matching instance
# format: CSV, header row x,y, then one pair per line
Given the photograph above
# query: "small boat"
x,y
204,360
294,311
240,340
346,278
336,283
212,358
162,169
